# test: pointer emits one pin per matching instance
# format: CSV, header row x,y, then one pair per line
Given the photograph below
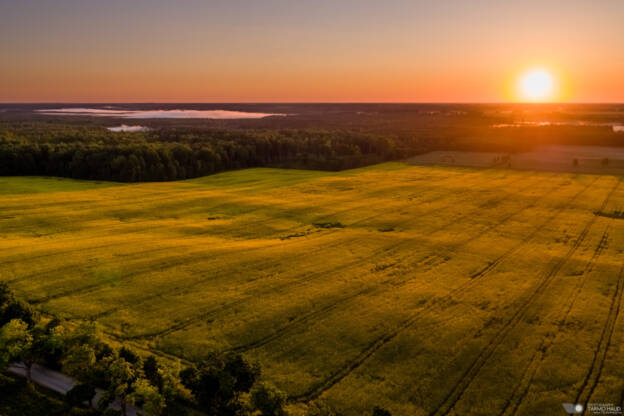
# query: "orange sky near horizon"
x,y
282,51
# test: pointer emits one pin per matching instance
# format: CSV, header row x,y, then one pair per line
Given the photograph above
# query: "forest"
x,y
85,152
319,137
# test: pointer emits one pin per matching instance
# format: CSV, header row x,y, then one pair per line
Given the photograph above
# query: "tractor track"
x,y
590,382
522,388
204,279
326,384
116,202
382,287
182,259
471,372
303,280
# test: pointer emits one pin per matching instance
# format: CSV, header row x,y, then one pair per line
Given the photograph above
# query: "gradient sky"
x,y
317,50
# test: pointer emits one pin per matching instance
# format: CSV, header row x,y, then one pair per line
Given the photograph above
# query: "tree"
x,y
380,411
151,369
16,309
79,361
268,400
42,344
122,376
243,373
218,382
129,355
23,339
86,333
5,295
87,358
15,339
53,346
152,402
11,308
165,379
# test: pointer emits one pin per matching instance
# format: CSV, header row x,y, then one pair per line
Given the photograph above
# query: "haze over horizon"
x,y
450,51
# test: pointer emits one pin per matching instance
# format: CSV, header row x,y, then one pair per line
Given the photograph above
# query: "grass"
x,y
424,290
31,185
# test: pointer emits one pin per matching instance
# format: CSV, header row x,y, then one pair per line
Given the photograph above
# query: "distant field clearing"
x,y
425,290
576,159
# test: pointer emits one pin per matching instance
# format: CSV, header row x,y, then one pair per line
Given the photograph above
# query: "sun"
x,y
537,85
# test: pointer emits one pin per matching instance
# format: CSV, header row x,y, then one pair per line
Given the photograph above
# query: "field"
x,y
577,159
425,290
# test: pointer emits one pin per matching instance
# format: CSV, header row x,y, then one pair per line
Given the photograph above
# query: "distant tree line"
x,y
91,152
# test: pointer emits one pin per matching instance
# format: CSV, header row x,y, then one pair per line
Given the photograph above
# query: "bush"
x,y
268,400
218,382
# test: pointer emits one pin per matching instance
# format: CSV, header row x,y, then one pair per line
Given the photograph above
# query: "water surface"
x,y
104,112
124,127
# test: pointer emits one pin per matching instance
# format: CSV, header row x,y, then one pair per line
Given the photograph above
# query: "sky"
x,y
308,51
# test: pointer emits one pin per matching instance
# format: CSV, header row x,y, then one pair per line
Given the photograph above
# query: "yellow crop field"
x,y
424,290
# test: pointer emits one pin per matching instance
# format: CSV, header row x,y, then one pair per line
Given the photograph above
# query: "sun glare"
x,y
536,85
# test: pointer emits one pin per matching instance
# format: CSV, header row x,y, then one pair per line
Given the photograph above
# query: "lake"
x,y
145,114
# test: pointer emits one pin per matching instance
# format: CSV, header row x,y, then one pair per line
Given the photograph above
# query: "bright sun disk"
x,y
537,86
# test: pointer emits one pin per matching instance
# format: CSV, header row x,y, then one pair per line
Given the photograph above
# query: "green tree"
x,y
268,400
151,369
79,361
15,340
16,309
164,378
5,295
122,375
86,333
152,402
53,346
44,343
130,356
218,382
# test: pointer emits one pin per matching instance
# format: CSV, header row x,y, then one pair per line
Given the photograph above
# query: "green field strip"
x,y
19,185
90,234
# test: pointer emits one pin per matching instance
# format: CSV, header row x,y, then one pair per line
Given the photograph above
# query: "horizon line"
x,y
321,102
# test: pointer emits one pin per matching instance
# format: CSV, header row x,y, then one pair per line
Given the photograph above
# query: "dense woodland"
x,y
315,136
179,153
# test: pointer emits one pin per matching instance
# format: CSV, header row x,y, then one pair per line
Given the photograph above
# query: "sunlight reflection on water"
x,y
126,128
212,114
617,127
